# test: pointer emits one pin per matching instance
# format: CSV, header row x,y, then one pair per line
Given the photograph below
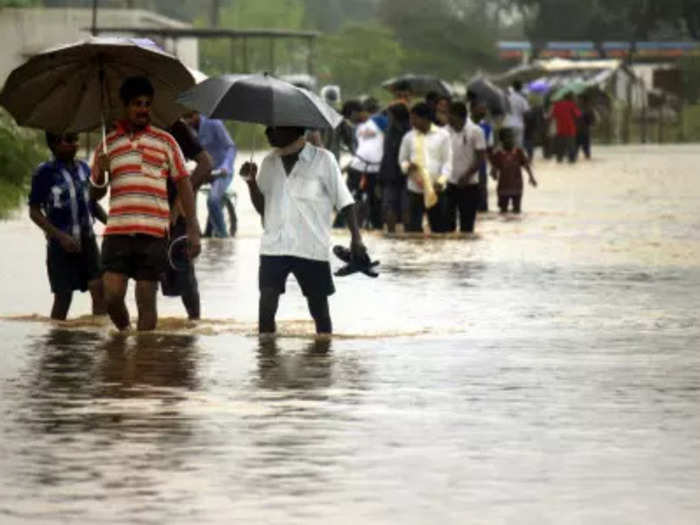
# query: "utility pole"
x,y
93,29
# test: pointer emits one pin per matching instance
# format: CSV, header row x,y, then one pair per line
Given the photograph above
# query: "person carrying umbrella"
x,y
139,158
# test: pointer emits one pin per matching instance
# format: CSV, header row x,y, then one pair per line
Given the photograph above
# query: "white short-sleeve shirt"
x,y
299,206
465,144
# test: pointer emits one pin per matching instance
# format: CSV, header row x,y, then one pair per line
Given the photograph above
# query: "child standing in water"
x,y
508,163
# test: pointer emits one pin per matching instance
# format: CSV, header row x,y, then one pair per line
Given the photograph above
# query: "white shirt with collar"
x,y
370,147
299,206
438,152
465,144
518,107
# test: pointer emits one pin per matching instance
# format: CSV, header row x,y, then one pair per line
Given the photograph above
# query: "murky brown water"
x,y
547,371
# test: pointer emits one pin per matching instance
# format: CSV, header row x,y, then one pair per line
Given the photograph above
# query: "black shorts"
x,y
140,257
72,271
175,283
314,277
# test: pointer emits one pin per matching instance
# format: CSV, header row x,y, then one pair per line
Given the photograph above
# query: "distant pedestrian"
x,y
425,157
478,113
392,180
60,204
508,163
565,113
584,125
215,139
468,154
515,117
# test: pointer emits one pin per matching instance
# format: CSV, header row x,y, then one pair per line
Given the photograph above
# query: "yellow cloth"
x,y
429,197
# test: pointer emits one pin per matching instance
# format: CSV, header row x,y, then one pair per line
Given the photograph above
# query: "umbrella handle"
x,y
104,149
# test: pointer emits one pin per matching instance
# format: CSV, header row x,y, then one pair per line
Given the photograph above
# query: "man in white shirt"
x,y
365,163
295,192
515,119
425,149
468,152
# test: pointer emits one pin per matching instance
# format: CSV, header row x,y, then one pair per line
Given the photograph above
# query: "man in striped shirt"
x,y
139,159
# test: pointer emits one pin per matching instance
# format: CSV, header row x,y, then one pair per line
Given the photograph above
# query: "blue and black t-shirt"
x,y
63,193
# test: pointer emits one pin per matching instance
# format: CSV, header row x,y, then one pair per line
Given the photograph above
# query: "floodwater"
x,y
546,371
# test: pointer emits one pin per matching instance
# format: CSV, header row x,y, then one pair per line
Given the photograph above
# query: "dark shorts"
x,y
72,271
140,257
175,283
314,277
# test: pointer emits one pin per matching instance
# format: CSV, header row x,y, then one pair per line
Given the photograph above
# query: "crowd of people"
x,y
411,163
430,157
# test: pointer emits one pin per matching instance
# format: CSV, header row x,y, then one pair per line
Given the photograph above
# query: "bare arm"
x,y
201,172
249,171
67,242
186,196
100,172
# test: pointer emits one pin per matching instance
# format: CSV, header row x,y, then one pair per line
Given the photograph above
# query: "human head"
x,y
352,110
402,90
398,114
421,117
431,98
478,111
136,94
370,106
283,136
443,103
517,85
331,95
192,119
507,138
569,95
457,116
64,147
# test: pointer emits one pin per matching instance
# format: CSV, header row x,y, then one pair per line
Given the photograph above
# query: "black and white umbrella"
x,y
261,99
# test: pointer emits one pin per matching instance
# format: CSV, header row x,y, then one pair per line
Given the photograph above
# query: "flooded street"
x,y
546,371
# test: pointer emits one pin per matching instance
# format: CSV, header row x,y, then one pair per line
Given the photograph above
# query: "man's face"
x,y
456,122
66,147
192,119
138,111
420,123
443,105
478,113
282,136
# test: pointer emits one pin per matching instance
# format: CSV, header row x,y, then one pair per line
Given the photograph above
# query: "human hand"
x,y
533,182
68,243
249,171
358,252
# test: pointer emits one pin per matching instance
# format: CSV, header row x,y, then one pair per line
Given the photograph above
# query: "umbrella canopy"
x,y
539,87
420,84
573,87
71,87
261,99
493,96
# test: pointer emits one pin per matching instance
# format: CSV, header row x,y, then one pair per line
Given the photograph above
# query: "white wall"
x,y
24,32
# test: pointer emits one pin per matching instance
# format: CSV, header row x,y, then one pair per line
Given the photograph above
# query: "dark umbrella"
x,y
262,99
420,84
490,94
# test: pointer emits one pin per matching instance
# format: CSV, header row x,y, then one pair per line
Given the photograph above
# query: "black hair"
x,y
444,97
458,109
505,133
370,105
432,97
134,87
423,110
350,107
517,85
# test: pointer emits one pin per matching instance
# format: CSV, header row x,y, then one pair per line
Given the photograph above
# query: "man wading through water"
x,y
295,193
139,160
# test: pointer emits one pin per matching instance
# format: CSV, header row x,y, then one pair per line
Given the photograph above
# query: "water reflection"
x,y
309,369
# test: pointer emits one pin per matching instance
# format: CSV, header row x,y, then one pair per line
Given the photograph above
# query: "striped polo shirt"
x,y
140,165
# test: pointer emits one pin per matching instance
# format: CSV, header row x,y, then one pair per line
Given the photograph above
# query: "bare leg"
x,y
114,292
190,299
146,304
97,293
318,307
61,305
267,310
